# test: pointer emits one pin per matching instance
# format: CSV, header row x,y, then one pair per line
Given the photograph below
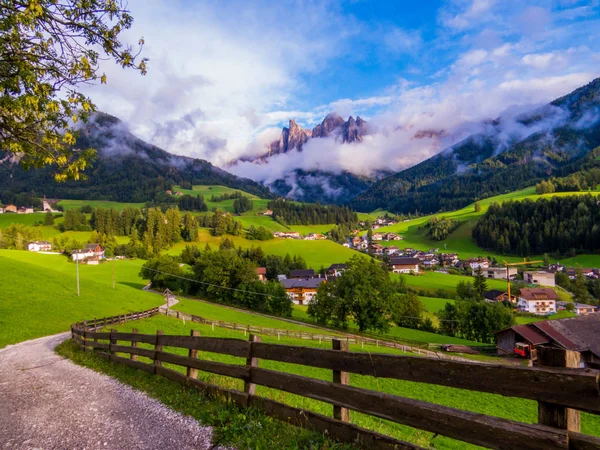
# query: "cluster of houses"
x,y
378,223
177,193
39,246
296,235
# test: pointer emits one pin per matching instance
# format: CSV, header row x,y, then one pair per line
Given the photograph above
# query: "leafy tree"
x,y
465,290
477,207
49,48
49,219
159,271
479,283
407,311
365,293
579,288
449,320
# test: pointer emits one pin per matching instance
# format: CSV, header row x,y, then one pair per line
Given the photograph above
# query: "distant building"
x,y
405,265
391,250
393,237
287,234
336,269
261,272
88,252
583,310
475,263
498,296
25,210
302,273
39,246
268,212
377,236
10,209
541,301
302,291
1,210
539,277
46,206
499,273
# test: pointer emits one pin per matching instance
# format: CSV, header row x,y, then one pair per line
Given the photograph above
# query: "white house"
x,y
80,255
476,263
539,277
541,301
39,246
405,265
499,273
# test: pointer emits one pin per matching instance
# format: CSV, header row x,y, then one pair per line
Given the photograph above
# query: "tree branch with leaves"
x,y
48,49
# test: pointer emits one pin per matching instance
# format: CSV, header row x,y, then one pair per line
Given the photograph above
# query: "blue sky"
x,y
224,76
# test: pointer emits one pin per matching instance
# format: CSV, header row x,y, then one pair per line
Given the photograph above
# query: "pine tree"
x,y
479,283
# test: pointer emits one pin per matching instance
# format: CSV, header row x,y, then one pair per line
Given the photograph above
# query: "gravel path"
x,y
47,402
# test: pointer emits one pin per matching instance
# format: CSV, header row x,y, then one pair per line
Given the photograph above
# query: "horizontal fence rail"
x,y
406,345
561,392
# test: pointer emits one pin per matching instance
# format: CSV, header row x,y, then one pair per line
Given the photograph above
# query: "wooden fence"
x,y
560,392
412,346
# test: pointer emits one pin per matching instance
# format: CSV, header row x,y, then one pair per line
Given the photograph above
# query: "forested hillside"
x,y
292,213
551,142
127,169
561,225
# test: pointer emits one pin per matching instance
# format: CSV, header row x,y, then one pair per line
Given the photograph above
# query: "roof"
x,y
261,270
301,283
337,267
576,333
404,261
299,273
534,293
538,272
494,294
531,335
91,246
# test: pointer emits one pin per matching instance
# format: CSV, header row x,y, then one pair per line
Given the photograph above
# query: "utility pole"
x,y
77,269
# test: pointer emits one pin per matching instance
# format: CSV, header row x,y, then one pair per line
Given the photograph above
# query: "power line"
x,y
263,294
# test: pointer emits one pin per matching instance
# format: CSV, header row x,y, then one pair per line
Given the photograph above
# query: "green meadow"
x,y
490,404
76,204
433,281
39,294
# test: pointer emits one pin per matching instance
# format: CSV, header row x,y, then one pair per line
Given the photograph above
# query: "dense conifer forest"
x,y
560,225
293,213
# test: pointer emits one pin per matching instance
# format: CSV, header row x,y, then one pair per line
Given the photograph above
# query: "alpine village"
x,y
304,225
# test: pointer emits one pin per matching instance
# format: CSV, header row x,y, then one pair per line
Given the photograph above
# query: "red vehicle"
x,y
522,350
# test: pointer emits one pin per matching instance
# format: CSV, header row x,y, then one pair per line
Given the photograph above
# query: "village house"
x,y
377,249
578,334
572,273
1,210
541,301
268,212
302,273
429,261
302,291
25,210
169,192
377,237
495,295
556,268
393,237
287,234
261,272
336,269
46,206
405,265
539,277
81,255
391,250
582,309
314,237
499,273
10,209
475,263
39,246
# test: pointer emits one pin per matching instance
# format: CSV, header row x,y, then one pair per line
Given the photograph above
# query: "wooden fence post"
x,y
250,388
112,342
157,348
134,344
192,372
340,413
551,414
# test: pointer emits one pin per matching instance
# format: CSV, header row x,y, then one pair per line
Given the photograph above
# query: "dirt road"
x,y
47,402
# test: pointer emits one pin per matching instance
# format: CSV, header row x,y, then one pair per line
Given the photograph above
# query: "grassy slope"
x,y
460,240
521,320
316,253
432,281
74,204
495,405
39,294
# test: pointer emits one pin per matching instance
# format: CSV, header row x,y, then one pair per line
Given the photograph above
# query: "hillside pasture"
x,y
39,294
433,281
